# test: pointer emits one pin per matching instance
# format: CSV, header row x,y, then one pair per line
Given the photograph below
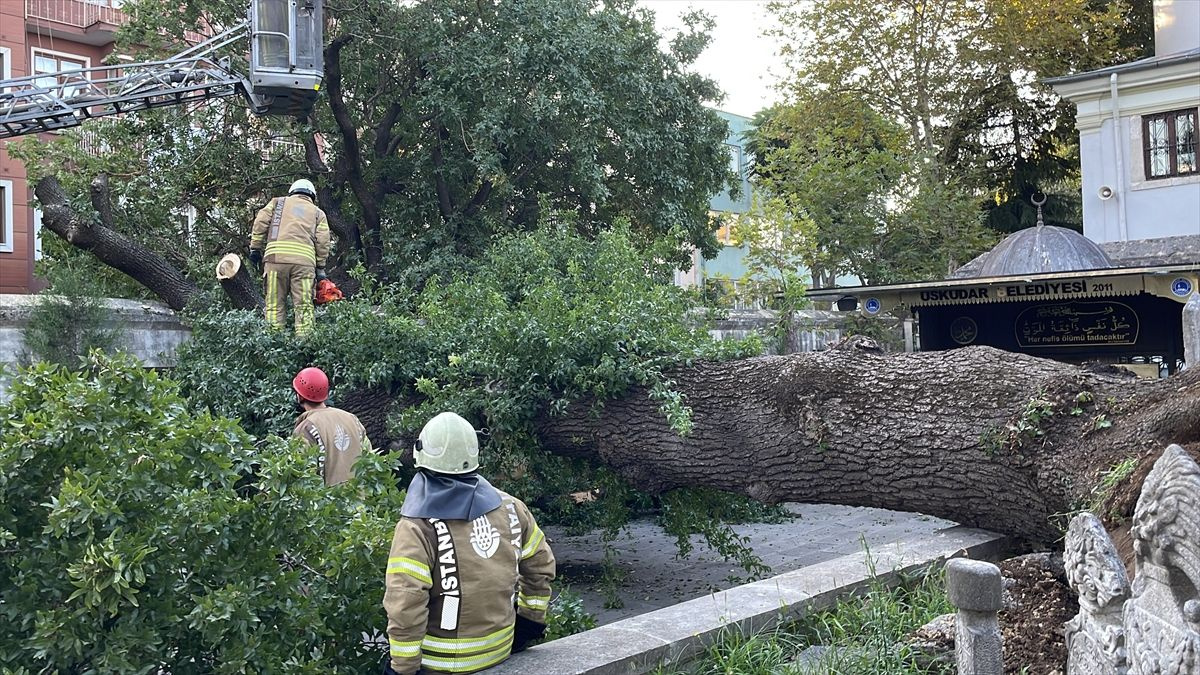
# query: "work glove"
x,y
525,632
256,257
321,276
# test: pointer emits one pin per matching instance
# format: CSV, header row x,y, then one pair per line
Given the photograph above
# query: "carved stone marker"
x,y
1191,331
975,589
1162,619
1157,630
1095,637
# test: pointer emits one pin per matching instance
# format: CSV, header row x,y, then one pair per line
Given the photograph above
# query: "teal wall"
x,y
729,261
735,145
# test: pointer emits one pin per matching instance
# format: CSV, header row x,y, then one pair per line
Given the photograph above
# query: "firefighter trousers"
x,y
282,278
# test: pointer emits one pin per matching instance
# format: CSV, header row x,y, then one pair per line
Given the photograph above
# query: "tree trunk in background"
x,y
921,432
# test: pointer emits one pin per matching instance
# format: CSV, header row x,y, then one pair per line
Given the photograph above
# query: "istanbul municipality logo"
x,y
872,306
1182,287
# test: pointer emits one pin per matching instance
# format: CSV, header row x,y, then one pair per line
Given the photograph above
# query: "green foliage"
x,y
708,512
567,616
141,537
68,320
845,193
962,79
866,630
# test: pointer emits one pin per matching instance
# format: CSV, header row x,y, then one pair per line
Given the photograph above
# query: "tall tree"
x,y
846,175
962,79
442,124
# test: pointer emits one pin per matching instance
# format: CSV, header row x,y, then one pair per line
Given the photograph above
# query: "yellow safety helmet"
x,y
447,444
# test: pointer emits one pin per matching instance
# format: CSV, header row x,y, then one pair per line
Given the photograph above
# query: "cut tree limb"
x,y
118,251
110,246
931,432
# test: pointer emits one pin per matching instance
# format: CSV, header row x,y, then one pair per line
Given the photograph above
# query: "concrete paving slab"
x,y
653,577
675,634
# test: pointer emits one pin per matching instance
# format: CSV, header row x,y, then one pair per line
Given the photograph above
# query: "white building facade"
x,y
1139,135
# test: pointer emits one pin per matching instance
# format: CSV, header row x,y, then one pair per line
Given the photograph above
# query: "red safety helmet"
x,y
312,385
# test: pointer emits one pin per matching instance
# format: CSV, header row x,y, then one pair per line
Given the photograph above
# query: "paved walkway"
x,y
653,577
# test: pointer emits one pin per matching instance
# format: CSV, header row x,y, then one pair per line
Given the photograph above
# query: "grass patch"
x,y
865,630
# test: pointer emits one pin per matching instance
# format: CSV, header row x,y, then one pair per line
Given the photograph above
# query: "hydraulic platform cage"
x,y
286,45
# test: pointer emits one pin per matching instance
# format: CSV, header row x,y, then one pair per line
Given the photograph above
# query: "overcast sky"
x,y
741,59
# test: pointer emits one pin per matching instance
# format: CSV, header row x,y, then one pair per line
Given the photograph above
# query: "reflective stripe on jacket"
x,y
451,588
303,235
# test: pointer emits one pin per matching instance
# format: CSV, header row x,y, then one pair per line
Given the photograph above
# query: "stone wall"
x,y
812,330
148,330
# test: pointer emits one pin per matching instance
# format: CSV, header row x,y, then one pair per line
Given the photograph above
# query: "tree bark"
x,y
925,432
116,250
111,247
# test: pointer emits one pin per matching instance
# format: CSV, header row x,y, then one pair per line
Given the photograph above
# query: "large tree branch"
x,y
111,247
143,265
347,232
352,160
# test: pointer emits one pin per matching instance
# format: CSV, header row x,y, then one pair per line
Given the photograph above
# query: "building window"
x,y
1169,144
45,61
5,66
735,160
37,234
6,216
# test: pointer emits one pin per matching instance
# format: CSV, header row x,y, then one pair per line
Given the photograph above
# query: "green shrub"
x,y
68,320
137,536
567,616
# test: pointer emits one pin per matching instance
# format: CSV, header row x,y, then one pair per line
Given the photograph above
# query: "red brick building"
x,y
41,36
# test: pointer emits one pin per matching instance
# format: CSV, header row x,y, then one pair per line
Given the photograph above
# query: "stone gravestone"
x,y
1095,637
1160,624
976,591
1162,619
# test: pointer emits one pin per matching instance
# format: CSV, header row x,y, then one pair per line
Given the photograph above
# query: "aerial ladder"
x,y
285,71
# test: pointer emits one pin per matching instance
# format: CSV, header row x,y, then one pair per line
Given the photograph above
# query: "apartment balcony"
x,y
93,22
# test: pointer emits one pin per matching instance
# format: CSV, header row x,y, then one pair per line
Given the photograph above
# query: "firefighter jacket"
x,y
454,588
340,437
301,236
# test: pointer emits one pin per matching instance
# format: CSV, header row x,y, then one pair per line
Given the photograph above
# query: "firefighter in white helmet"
x,y
468,576
292,235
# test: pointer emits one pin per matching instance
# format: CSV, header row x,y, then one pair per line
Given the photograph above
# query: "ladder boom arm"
x,y
285,75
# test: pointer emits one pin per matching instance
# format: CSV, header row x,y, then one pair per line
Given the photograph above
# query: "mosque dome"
x,y
1041,249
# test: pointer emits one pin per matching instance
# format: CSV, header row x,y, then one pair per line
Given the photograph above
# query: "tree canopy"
x,y
442,125
907,118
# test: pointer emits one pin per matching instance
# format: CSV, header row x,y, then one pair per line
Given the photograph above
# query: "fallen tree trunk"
x,y
980,436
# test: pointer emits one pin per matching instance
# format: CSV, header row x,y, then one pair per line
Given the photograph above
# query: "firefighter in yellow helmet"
x,y
292,235
338,434
468,576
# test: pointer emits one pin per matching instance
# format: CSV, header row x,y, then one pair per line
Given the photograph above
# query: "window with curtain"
x,y
1169,144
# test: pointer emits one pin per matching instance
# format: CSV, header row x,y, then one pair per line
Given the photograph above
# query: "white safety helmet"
x,y
303,186
447,444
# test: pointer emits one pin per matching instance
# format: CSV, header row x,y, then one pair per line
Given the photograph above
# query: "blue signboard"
x,y
1182,287
872,306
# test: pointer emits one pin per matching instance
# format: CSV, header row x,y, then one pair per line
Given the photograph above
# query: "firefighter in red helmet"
x,y
339,436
